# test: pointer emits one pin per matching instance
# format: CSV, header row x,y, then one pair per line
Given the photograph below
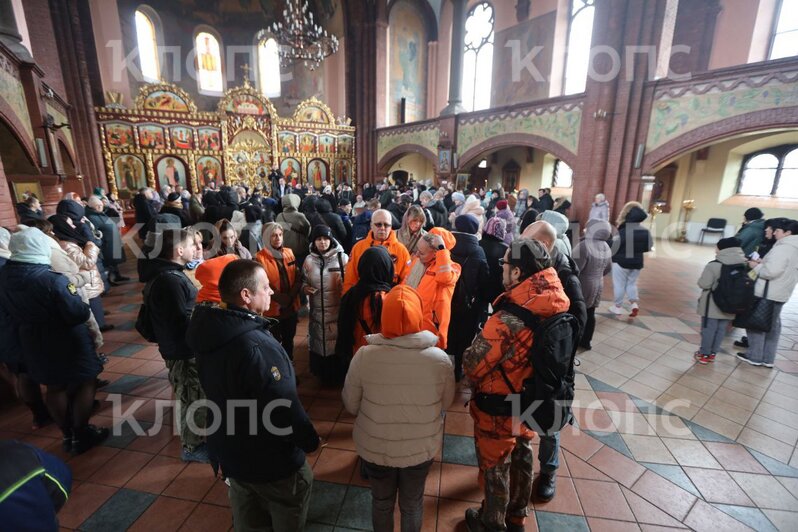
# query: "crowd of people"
x,y
407,289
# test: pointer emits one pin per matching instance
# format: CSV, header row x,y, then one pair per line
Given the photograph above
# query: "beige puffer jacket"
x,y
709,281
399,389
86,259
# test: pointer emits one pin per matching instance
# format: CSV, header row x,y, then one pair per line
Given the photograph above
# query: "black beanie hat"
x,y
320,230
753,214
466,223
731,242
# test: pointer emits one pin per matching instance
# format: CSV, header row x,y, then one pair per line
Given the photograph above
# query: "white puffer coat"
x,y
399,389
780,267
325,274
86,259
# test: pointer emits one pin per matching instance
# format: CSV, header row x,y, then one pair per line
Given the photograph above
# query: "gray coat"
x,y
593,257
325,274
709,281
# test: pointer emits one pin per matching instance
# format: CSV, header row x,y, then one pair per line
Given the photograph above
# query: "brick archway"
x,y
511,140
390,158
720,130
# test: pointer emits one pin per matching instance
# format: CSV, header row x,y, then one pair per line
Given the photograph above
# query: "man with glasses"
x,y
381,234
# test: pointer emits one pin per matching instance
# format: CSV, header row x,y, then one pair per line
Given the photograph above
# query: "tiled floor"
x,y
661,442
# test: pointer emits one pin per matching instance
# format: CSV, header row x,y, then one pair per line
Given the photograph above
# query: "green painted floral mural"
x,y
388,140
673,117
11,91
560,126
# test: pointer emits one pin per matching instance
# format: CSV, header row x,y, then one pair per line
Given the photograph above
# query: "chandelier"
x,y
299,38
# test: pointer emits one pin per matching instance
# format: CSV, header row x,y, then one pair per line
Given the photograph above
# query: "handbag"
x,y
760,316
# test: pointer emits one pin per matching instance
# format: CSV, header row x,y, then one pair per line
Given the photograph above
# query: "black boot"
x,y
473,521
87,437
547,485
742,342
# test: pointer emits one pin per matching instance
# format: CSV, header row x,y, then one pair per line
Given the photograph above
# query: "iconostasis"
x,y
165,140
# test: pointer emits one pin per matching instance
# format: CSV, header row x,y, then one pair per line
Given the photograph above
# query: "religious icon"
x,y
317,172
444,160
341,172
290,168
209,139
312,114
287,142
130,175
182,138
209,69
247,104
345,144
171,171
307,143
326,144
152,137
165,101
119,135
208,171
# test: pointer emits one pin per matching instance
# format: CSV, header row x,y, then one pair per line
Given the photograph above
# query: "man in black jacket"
x,y
549,450
169,297
243,368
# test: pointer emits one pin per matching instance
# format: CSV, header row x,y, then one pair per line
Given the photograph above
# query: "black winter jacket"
x,y
632,241
171,300
568,273
494,250
239,360
325,216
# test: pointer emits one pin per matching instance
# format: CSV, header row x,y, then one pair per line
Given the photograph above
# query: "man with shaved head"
x,y
381,234
549,450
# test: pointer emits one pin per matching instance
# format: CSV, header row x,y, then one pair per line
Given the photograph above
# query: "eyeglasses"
x,y
375,224
503,261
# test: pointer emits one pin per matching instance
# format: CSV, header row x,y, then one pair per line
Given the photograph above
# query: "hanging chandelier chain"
x,y
300,39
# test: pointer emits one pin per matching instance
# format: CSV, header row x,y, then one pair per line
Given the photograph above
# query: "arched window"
x,y
563,175
580,34
147,43
209,63
269,68
785,33
478,57
773,172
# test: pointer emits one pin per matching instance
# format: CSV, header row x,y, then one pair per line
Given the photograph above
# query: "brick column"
x,y
9,33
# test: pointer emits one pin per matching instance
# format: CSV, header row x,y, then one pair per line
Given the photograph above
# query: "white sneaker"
x,y
635,310
615,309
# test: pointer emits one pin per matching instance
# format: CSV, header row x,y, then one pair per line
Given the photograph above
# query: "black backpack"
x,y
143,320
545,397
735,291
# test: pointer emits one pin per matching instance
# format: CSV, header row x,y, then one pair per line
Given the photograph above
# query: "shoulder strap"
x,y
340,263
530,320
365,325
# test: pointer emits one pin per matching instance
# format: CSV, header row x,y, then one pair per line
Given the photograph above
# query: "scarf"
x,y
375,269
416,274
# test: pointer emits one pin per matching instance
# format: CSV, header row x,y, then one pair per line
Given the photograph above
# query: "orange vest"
x,y
397,250
268,261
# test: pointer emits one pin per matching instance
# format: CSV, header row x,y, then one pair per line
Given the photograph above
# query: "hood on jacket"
x,y
473,206
598,230
401,312
30,246
291,201
71,209
213,326
635,215
150,268
323,206
268,229
791,241
559,221
208,274
732,255
448,238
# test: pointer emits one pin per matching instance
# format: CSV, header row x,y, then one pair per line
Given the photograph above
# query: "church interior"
x,y
689,107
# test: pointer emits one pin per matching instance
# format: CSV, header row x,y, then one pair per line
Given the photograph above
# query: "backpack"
x,y
735,291
461,298
545,397
143,320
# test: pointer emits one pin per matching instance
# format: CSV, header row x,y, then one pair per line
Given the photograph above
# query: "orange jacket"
x,y
268,261
504,340
366,315
437,288
397,250
208,274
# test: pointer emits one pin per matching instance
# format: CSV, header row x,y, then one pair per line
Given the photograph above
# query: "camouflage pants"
x,y
508,487
185,383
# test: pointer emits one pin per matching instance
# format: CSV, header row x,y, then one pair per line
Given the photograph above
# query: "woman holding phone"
x,y
322,282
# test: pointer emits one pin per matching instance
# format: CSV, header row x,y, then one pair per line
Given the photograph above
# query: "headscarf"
x,y
61,228
375,269
30,246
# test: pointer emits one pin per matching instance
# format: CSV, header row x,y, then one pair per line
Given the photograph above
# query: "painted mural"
x,y
428,137
12,92
130,175
407,63
512,46
560,125
171,171
700,105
